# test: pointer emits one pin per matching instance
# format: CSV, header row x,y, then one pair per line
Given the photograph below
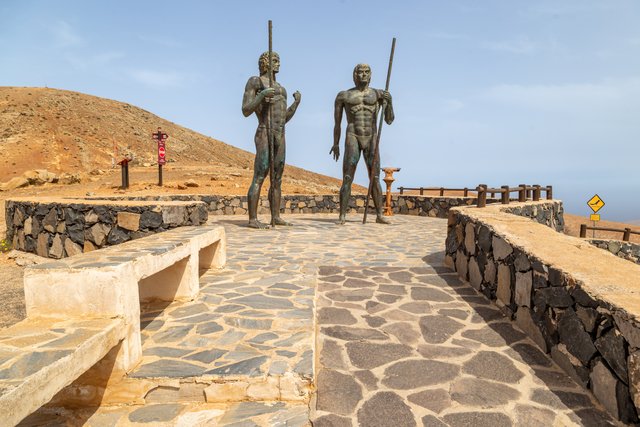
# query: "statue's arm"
x,y
294,106
389,116
251,101
337,117
385,97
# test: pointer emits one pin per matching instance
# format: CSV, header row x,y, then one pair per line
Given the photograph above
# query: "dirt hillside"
x,y
63,131
66,132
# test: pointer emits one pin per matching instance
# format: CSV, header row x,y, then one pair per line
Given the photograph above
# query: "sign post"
x,y
595,203
160,137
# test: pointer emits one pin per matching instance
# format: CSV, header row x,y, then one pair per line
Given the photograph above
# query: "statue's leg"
x,y
275,189
260,169
376,189
349,163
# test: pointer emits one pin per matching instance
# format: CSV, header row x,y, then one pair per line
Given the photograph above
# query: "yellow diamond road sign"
x,y
595,203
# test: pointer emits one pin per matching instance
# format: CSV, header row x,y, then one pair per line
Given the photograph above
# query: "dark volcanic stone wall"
x,y
551,213
597,344
625,250
437,207
60,229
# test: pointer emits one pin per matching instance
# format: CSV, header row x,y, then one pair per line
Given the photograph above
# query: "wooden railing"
x,y
441,190
626,232
524,191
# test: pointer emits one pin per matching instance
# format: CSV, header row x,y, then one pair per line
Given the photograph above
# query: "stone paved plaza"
x,y
355,325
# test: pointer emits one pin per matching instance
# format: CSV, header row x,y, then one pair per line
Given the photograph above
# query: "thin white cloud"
x,y
452,105
520,46
159,40
107,57
65,36
442,35
557,9
94,60
619,95
158,78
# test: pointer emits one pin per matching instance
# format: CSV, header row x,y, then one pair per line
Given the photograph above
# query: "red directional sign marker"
x,y
161,153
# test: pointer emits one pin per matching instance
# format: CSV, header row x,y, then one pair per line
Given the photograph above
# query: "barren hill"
x,y
64,131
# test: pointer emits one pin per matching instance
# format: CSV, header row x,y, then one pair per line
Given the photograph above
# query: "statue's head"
x,y
362,73
263,62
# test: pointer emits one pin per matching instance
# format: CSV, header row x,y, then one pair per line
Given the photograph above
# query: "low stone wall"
x,y
625,250
437,207
549,213
576,302
57,228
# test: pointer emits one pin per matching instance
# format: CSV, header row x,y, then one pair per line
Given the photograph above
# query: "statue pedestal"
x,y
388,179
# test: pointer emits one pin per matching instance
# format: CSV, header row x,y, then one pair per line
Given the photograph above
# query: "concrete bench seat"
x,y
39,357
113,281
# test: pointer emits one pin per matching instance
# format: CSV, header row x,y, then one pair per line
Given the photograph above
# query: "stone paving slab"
x,y
408,347
400,341
243,414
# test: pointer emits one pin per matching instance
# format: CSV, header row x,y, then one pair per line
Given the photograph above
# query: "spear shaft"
x,y
270,135
376,151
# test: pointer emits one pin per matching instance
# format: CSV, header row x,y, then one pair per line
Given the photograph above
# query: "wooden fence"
x,y
626,232
524,191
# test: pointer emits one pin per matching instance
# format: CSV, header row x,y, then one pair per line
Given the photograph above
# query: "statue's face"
x,y
263,63
275,63
362,74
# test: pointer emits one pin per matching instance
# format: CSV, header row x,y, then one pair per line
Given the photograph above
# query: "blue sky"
x,y
496,92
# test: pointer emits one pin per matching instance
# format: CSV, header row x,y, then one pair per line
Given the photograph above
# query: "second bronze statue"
x,y
259,97
361,103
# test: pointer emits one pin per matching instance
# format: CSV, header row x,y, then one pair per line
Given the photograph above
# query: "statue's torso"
x,y
361,108
278,104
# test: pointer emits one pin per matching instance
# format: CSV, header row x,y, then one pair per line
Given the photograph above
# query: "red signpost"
x,y
160,137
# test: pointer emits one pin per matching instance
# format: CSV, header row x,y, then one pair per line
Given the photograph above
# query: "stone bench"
x,y
98,294
112,281
39,357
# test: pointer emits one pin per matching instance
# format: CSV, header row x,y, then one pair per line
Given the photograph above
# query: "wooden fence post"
x,y
505,195
522,193
536,192
583,230
549,192
482,195
627,234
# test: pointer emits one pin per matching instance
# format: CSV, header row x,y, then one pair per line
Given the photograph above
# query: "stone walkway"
x,y
399,340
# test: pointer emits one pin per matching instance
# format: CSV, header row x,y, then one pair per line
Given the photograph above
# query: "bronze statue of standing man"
x,y
258,98
361,103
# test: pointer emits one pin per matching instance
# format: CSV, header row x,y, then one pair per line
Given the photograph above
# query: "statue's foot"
x,y
254,223
382,220
341,220
280,221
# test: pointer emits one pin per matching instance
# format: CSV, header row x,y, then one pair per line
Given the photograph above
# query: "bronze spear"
x,y
377,146
270,135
